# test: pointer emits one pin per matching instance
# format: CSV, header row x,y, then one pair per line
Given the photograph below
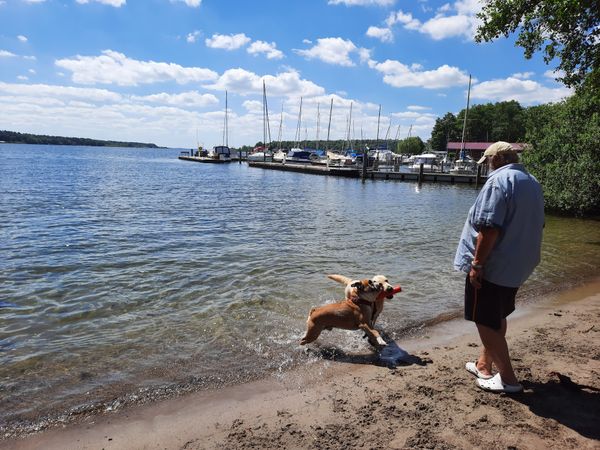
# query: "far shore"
x,y
345,403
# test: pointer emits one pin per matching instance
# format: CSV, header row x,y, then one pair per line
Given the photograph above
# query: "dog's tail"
x,y
339,278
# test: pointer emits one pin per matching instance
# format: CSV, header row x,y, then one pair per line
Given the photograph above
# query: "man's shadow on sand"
x,y
572,405
332,353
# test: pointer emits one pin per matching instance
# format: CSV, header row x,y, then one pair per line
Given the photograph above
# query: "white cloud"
x,y
30,57
332,51
22,78
6,54
31,71
192,3
406,19
22,38
383,34
283,84
443,27
417,108
269,49
193,36
35,1
115,68
524,91
115,3
253,106
227,42
454,20
400,75
523,75
306,41
191,98
59,92
362,2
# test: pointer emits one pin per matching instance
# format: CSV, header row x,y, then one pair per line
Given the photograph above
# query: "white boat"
x,y
337,159
429,161
259,155
279,156
465,166
384,156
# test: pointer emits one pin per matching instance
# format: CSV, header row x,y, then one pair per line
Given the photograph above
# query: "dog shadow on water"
x,y
391,356
573,405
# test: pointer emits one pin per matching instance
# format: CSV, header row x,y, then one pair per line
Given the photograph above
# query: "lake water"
x,y
124,269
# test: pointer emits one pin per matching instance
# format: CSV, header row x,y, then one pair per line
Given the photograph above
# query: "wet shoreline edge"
x,y
144,396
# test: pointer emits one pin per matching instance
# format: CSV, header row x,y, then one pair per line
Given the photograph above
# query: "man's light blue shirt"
x,y
512,201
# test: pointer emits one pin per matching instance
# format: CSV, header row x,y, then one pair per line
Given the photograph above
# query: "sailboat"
x,y
280,154
464,165
219,153
262,154
296,154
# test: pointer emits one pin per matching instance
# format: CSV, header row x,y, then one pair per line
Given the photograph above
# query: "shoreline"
x,y
322,403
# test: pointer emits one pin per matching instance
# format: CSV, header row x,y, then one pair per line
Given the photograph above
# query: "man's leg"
x,y
484,363
496,348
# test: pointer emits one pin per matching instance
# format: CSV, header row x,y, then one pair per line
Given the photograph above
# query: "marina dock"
x,y
380,174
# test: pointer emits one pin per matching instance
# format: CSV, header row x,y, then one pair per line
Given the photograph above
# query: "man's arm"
x,y
486,240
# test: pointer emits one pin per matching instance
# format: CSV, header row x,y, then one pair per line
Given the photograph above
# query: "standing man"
x,y
499,247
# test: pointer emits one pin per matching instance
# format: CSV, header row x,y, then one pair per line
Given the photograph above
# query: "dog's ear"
x,y
358,285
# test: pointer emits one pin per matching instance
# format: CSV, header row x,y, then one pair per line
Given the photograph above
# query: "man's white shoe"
x,y
495,384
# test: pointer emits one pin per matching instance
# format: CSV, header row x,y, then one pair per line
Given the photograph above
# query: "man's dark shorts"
x,y
489,304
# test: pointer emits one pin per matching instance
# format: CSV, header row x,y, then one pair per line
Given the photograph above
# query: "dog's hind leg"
x,y
312,333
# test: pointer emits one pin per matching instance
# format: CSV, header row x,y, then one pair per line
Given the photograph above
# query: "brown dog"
x,y
358,310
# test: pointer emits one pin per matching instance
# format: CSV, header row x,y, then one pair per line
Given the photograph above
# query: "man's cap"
x,y
495,149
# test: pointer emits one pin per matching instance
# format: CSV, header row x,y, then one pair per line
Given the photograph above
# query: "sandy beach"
x,y
346,401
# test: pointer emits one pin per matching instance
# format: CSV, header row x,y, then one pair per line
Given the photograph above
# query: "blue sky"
x,y
157,70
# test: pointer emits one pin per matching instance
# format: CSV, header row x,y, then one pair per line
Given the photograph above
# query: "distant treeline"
x,y
26,138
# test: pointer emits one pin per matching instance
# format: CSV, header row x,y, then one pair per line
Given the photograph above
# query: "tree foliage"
x,y
503,121
445,130
565,29
564,153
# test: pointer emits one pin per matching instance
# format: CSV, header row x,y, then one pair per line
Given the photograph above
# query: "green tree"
x,y
566,29
564,154
413,145
444,130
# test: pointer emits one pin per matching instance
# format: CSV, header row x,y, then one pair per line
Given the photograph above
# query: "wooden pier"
x,y
353,172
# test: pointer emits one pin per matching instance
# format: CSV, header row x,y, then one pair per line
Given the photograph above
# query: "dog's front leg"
x,y
374,336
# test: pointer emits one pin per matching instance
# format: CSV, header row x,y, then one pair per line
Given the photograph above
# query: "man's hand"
x,y
475,277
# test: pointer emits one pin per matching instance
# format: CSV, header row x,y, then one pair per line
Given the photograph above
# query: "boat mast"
x,y
378,119
266,122
462,142
397,137
348,142
318,123
299,126
329,125
225,131
280,127
387,134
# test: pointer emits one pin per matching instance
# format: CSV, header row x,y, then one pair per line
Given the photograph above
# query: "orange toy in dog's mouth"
x,y
389,294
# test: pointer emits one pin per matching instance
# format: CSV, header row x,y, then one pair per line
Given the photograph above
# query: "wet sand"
x,y
348,402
